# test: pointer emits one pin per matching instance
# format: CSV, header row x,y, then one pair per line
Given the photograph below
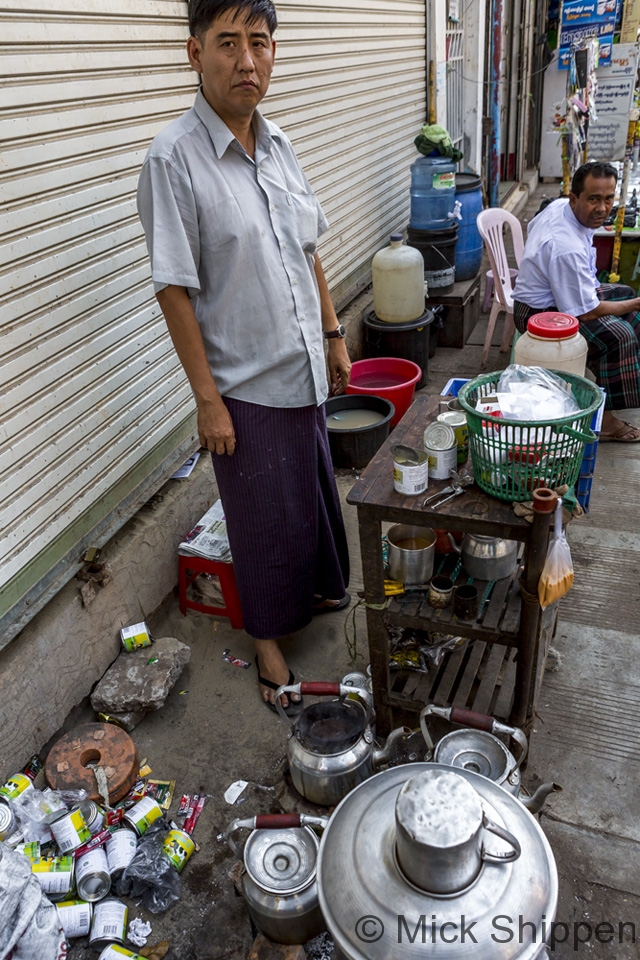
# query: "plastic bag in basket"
x,y
556,578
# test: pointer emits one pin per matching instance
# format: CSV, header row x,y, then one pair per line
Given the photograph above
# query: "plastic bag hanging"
x,y
556,578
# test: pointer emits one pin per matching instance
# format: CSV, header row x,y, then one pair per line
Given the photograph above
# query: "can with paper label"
x,y
442,448
410,470
458,421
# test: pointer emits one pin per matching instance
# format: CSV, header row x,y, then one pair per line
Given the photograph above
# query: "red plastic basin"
x,y
389,377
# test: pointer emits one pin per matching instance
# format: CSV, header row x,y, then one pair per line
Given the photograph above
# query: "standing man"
x,y
232,226
557,273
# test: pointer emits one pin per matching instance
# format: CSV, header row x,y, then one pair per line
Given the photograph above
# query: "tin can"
x,y
114,952
142,814
16,785
109,923
457,420
8,821
121,849
55,876
30,850
34,767
69,829
75,917
410,470
442,448
93,816
177,848
135,636
92,875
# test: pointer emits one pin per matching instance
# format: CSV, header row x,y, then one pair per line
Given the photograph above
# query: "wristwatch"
x,y
338,332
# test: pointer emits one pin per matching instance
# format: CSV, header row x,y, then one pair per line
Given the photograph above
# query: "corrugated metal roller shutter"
x,y
349,89
93,399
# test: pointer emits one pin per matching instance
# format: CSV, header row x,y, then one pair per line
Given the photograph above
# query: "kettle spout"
x,y
453,543
535,803
383,754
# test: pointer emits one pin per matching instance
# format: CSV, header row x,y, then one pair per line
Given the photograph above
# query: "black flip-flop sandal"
x,y
292,709
317,610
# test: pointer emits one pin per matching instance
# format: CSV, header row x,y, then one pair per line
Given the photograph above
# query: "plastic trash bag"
x,y
534,393
29,923
556,578
153,881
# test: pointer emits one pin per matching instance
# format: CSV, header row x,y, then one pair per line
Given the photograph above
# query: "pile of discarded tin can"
x,y
83,850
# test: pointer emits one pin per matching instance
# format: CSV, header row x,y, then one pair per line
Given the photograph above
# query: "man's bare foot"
x,y
272,666
618,430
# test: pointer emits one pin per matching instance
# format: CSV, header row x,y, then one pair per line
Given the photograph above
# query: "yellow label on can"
x,y
178,847
15,786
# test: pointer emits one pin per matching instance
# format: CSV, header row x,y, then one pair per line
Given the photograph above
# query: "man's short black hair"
x,y
597,169
202,13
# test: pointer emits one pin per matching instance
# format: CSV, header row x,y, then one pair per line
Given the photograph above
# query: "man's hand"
x,y
339,367
215,428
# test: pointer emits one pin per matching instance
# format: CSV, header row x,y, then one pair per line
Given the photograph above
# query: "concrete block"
x,y
133,684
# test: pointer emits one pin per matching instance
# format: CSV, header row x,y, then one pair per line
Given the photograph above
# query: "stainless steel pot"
x,y
330,746
411,828
414,564
279,877
487,558
479,750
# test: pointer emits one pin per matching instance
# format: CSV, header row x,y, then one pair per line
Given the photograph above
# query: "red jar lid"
x,y
553,326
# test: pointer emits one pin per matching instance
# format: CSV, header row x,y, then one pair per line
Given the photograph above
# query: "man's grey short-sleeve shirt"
x,y
240,235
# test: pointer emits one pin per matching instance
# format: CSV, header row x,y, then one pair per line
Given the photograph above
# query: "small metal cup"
x,y
440,592
465,602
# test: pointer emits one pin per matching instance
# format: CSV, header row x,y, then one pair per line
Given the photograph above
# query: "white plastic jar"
x,y
553,341
397,274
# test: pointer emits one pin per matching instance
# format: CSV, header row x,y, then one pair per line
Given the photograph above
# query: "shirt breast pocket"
x,y
305,210
222,225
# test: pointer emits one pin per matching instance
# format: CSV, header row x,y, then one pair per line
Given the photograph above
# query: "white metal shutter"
x,y
349,88
93,399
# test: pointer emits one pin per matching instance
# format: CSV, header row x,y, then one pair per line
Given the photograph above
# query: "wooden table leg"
x,y
523,711
373,575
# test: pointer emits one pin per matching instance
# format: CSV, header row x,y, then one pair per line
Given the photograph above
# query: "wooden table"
x,y
498,667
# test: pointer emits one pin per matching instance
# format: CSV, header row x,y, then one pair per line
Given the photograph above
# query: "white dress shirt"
x,y
558,264
240,234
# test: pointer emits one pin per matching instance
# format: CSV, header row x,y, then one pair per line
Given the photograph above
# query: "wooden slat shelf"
x,y
476,675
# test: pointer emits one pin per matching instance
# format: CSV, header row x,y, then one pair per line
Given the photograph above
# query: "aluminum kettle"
x,y
279,877
478,749
331,747
487,558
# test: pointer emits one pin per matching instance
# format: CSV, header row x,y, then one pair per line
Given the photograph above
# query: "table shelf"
x,y
498,667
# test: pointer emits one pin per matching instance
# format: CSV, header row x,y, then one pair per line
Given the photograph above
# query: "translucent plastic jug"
x,y
552,340
398,282
433,192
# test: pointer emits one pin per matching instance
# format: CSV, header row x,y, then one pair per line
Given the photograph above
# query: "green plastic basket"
x,y
512,458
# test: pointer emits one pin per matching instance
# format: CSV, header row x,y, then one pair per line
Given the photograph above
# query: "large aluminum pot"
x,y
413,828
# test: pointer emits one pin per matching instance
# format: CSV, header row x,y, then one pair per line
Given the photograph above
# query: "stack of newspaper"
x,y
208,538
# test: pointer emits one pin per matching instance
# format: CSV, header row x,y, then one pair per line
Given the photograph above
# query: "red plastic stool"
x,y
188,569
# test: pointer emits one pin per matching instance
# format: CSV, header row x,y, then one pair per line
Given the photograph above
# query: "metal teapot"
x,y
479,750
279,875
331,746
487,558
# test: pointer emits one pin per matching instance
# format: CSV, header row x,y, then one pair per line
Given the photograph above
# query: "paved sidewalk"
x,y
214,730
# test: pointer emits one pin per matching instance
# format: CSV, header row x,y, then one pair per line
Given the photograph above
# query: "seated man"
x,y
557,273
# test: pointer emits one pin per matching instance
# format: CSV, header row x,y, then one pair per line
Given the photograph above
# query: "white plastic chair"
x,y
491,225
